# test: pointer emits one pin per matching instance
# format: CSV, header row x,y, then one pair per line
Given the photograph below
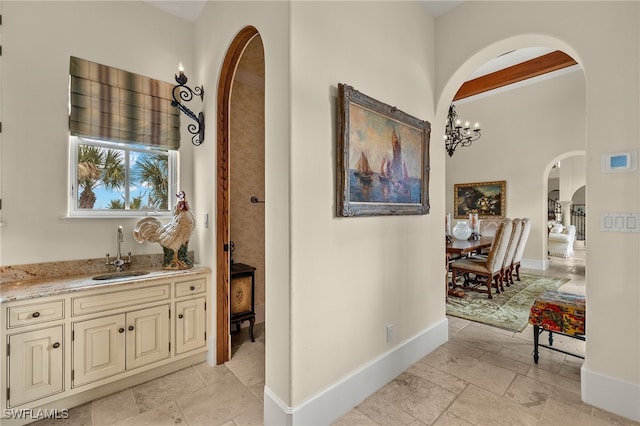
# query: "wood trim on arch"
x,y
227,74
532,68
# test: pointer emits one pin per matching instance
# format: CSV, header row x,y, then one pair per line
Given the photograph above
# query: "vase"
x,y
461,231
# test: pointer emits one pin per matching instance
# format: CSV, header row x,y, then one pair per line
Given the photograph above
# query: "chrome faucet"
x,y
119,263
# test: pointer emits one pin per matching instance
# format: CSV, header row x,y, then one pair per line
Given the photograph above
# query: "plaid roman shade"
x,y
115,105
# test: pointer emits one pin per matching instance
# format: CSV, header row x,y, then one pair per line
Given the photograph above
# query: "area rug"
x,y
508,310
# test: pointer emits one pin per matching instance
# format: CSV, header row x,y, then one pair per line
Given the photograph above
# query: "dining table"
x,y
461,248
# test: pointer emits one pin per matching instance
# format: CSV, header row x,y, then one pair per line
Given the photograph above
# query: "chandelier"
x,y
458,135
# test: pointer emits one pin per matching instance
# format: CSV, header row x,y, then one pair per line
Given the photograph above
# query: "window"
x,y
124,140
119,179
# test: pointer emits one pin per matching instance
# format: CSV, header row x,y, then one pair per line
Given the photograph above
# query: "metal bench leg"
x,y
536,335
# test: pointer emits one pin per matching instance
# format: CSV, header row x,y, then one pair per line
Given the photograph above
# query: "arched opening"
x,y
226,83
566,183
518,137
524,128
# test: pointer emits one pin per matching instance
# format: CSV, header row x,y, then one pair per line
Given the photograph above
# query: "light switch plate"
x,y
620,222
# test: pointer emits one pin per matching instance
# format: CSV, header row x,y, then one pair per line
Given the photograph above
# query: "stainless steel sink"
x,y
120,275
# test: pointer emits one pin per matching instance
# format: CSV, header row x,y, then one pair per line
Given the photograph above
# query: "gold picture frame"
x,y
488,199
382,158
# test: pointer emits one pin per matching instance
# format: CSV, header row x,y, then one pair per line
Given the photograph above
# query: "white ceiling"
x,y
189,10
437,8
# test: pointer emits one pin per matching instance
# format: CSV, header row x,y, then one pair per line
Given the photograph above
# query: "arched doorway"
x,y
516,156
223,219
522,158
566,186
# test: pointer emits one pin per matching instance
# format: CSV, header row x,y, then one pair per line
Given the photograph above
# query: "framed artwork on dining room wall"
x,y
382,158
487,199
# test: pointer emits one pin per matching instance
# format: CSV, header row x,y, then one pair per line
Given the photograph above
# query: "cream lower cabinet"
x,y
110,345
68,348
35,365
190,325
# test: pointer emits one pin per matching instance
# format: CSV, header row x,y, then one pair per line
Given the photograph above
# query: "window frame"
x,y
173,174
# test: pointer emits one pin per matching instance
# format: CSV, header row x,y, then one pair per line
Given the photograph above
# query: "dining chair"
x,y
507,271
490,268
517,257
506,277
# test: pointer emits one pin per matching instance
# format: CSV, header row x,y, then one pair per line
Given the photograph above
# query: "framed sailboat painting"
x,y
382,158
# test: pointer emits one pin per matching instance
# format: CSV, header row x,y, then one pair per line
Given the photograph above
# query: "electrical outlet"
x,y
389,333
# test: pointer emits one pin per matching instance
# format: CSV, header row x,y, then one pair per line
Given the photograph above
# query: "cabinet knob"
x,y
130,328
35,314
56,345
121,330
180,316
192,288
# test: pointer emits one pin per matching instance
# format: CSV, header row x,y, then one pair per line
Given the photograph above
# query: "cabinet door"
x,y
241,294
98,348
35,365
190,325
147,336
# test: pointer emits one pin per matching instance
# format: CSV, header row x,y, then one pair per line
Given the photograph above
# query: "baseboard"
x,y
211,352
341,397
610,394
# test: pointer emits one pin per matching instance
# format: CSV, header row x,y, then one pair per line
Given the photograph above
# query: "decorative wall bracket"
x,y
182,92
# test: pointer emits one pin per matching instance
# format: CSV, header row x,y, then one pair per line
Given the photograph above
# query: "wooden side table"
x,y
242,296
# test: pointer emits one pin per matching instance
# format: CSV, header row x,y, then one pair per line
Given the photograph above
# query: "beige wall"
x,y
572,176
346,282
524,131
37,40
609,53
351,277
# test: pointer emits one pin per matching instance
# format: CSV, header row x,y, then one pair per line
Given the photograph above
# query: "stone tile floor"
x,y
229,394
481,376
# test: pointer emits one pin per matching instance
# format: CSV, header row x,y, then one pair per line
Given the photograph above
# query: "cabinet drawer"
x,y
118,299
35,313
187,288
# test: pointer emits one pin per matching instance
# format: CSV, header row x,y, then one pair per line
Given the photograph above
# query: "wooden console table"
x,y
242,296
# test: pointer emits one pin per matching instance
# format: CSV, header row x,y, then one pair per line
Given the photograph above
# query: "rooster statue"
x,y
173,237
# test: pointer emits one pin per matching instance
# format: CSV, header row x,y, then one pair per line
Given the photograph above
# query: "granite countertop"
x,y
44,287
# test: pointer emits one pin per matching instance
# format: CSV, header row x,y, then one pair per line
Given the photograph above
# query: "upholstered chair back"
x,y
499,246
526,228
489,226
513,242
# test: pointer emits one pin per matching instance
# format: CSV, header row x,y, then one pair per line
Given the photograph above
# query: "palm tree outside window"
x,y
112,178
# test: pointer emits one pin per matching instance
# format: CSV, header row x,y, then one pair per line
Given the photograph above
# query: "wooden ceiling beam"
x,y
532,68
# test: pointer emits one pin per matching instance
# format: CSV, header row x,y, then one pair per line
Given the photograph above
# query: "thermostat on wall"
x,y
619,162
